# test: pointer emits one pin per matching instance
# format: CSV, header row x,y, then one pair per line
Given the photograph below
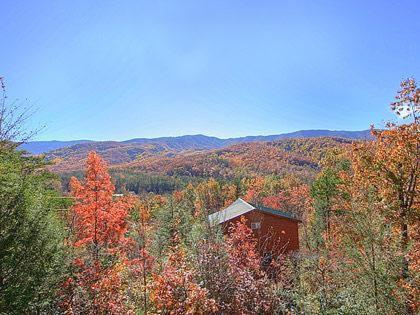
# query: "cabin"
x,y
276,232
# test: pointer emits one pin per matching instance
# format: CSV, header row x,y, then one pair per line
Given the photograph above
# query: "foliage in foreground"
x,y
32,259
158,254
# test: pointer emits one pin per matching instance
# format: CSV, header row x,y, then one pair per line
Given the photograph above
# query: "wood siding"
x,y
277,234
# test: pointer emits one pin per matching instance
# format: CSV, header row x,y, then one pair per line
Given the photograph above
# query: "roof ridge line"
x,y
283,213
249,204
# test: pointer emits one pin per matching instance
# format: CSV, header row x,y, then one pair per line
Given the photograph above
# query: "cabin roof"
x,y
240,207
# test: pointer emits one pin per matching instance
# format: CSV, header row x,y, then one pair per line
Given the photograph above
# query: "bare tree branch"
x,y
13,117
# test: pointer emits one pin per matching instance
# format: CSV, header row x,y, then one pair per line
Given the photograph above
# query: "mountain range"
x,y
181,143
198,154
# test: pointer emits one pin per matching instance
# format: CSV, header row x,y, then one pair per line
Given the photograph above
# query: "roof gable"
x,y
241,207
236,209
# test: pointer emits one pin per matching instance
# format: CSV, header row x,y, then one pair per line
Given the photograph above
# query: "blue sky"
x,y
118,70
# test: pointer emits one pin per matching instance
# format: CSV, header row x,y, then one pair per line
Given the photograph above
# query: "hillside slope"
x,y
182,143
254,158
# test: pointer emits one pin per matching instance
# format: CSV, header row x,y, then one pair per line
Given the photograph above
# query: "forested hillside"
x,y
299,156
249,158
130,233
210,157
163,172
183,143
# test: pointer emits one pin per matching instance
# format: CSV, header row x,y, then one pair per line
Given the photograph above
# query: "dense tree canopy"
x,y
137,240
32,259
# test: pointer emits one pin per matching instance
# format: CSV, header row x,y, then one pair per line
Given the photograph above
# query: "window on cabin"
x,y
255,225
267,258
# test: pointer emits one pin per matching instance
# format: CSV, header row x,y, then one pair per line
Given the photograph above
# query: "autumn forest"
x,y
87,231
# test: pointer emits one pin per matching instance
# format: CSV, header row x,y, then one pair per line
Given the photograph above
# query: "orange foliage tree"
x,y
255,192
252,293
391,166
175,290
100,225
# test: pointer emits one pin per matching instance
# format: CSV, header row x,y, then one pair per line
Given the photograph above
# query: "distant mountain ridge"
x,y
279,157
39,147
187,142
353,135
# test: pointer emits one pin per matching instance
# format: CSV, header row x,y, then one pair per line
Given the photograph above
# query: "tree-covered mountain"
x,y
299,155
38,147
181,143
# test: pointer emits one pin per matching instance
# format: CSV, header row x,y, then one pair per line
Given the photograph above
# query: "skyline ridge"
x,y
198,141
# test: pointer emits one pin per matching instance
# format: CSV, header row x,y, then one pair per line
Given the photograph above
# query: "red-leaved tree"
x,y
252,287
99,227
176,291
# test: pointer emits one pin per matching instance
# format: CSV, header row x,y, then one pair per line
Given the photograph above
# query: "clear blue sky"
x,y
124,69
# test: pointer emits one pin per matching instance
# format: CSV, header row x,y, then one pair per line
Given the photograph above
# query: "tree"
x,y
365,253
140,261
32,259
317,263
407,101
374,238
295,200
100,220
209,196
175,289
13,116
391,166
323,191
211,262
255,191
174,218
252,293
100,225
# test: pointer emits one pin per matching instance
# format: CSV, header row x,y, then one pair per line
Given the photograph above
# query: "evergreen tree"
x,y
32,258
